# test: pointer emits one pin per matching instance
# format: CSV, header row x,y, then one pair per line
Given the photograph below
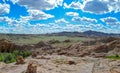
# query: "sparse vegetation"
x,y
22,39
67,41
53,41
12,57
113,57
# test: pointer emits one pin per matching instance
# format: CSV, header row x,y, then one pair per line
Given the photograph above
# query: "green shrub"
x,y
117,55
1,57
12,57
26,54
113,57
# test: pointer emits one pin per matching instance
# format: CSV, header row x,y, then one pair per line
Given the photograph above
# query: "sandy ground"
x,y
58,64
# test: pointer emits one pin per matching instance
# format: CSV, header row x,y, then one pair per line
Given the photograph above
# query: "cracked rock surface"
x,y
60,64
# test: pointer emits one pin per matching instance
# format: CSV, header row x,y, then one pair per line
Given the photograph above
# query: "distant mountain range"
x,y
89,33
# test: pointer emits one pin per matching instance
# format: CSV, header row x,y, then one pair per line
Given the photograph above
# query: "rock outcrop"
x,y
31,68
20,60
6,46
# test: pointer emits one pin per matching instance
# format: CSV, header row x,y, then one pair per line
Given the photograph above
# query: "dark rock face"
x,y
6,46
114,44
43,47
110,48
101,49
107,47
108,39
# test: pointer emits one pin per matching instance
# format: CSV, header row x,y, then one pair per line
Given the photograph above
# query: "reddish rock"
x,y
20,60
32,68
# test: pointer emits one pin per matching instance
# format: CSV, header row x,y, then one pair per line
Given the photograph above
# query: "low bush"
x,y
12,57
113,57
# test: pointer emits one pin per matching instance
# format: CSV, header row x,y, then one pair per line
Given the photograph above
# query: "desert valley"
x,y
59,54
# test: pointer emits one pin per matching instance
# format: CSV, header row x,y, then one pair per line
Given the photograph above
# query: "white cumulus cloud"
x,y
73,5
72,14
39,4
84,19
95,6
4,8
110,20
62,20
39,15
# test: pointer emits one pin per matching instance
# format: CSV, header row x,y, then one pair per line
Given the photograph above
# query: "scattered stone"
x,y
34,54
20,60
62,53
71,62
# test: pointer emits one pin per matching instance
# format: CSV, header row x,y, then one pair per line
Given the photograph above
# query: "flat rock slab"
x,y
13,69
86,68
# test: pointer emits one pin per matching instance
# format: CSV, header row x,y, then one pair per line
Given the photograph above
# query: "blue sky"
x,y
48,16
